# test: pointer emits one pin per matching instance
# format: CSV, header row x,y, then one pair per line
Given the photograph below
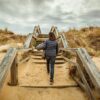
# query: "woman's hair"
x,y
52,36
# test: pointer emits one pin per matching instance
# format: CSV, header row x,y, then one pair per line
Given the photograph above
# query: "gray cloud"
x,y
22,15
94,14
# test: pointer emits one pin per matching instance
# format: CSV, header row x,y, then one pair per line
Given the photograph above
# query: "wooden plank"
x,y
41,39
68,49
52,86
65,43
56,32
24,60
28,41
52,29
43,36
85,86
25,50
37,30
14,73
6,64
44,61
62,36
90,67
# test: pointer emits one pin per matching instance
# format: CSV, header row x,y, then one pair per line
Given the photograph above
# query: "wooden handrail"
x,y
37,30
62,36
35,33
28,41
89,66
9,61
85,84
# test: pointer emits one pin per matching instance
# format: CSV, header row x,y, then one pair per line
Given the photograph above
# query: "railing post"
x,y
14,73
78,60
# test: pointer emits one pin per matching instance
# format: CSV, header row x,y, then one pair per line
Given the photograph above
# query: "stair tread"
x,y
41,57
50,86
43,35
41,39
40,54
44,61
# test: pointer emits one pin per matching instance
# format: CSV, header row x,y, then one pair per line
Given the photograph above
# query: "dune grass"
x,y
88,38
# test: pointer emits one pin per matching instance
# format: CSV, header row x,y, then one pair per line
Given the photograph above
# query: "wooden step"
x,y
43,35
56,65
41,53
44,61
50,86
41,39
40,58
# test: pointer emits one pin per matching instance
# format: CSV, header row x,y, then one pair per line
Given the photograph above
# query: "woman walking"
x,y
51,51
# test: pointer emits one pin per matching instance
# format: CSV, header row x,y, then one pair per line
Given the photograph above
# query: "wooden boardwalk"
x,y
35,74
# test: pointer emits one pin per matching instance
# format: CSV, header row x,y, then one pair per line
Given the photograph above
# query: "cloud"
x,y
22,15
92,15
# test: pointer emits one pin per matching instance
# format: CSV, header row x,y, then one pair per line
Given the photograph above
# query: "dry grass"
x,y
86,37
10,37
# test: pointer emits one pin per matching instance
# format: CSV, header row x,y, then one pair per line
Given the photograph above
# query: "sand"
x,y
31,74
97,61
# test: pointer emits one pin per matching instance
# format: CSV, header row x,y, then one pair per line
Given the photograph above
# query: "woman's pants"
x,y
50,65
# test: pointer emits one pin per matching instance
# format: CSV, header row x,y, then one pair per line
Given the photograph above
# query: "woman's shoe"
x,y
51,81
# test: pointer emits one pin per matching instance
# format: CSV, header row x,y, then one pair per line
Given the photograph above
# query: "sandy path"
x,y
31,74
36,75
20,93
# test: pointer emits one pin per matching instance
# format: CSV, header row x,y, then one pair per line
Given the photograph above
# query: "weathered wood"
x,y
24,60
62,36
72,51
52,86
87,88
43,36
6,64
56,32
25,50
41,39
14,73
52,29
65,43
79,83
37,30
28,41
90,67
44,62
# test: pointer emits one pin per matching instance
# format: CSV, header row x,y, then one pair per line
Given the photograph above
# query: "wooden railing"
x,y
86,63
8,63
61,35
37,30
28,42
84,66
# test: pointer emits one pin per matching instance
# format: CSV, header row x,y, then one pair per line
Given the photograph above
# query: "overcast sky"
x,y
21,15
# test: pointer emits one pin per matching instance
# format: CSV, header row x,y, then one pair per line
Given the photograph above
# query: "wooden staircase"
x,y
34,81
38,65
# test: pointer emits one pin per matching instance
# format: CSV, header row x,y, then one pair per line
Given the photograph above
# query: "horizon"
x,y
21,16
